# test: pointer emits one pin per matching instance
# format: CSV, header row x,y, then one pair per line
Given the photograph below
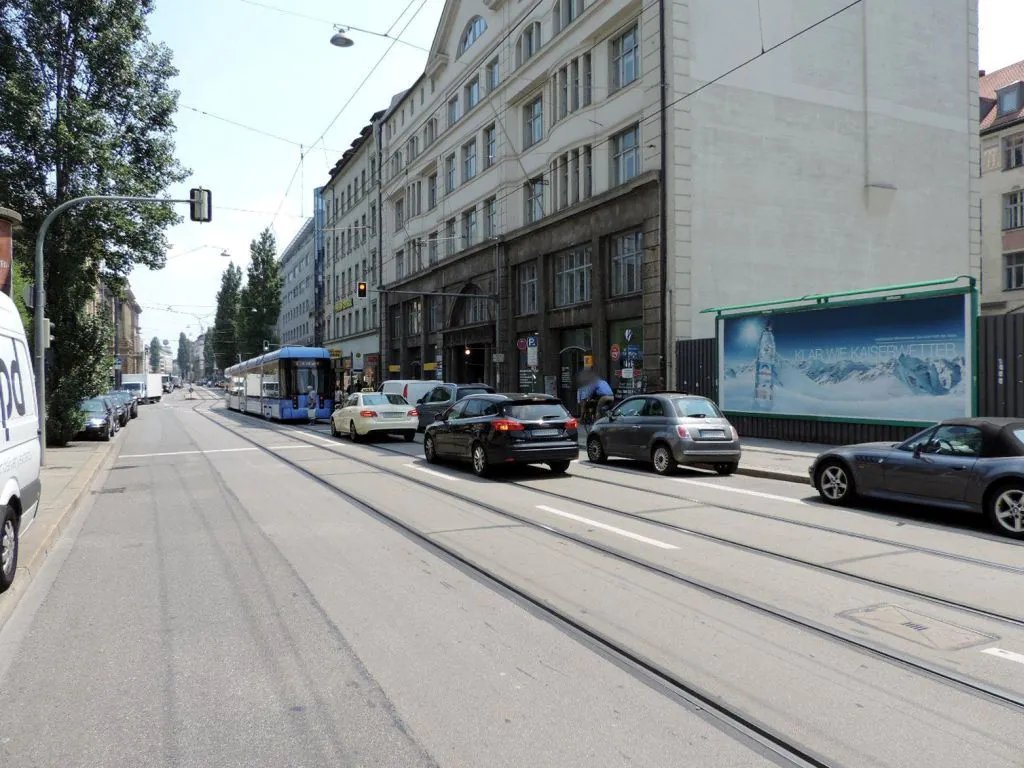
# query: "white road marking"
x,y
287,447
744,491
611,528
1008,655
183,453
330,440
442,475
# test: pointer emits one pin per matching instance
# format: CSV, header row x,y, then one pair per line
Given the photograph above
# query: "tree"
x,y
259,303
93,337
184,354
154,355
223,339
87,109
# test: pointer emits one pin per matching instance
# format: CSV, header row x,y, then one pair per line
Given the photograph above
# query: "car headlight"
x,y
96,422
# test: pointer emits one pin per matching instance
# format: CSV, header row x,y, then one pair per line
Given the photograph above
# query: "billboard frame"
x,y
881,295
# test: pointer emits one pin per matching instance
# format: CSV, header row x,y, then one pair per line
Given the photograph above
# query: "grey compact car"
x,y
971,465
444,396
666,429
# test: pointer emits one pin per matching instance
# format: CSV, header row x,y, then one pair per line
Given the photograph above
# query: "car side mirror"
x,y
917,450
440,416
611,416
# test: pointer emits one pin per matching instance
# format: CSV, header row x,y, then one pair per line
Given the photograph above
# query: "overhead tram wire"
x,y
244,126
545,173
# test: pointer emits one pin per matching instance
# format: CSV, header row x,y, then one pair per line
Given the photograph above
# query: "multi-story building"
x,y
351,201
297,323
1002,189
199,356
126,343
167,359
572,182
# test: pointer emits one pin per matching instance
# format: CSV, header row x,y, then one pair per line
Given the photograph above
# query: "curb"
x,y
73,493
772,474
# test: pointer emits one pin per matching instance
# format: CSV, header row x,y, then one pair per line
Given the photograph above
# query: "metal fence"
x,y
1001,365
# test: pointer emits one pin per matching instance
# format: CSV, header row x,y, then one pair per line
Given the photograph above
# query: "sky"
x,y
275,71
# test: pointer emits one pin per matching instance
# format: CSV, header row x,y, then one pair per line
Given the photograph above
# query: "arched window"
x,y
474,29
528,43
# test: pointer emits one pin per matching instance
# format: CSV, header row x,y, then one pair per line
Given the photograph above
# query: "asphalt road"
x,y
217,603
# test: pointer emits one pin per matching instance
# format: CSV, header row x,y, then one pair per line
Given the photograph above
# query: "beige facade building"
x,y
1002,185
124,313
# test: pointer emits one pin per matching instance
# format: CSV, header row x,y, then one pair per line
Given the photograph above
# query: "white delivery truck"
x,y
148,386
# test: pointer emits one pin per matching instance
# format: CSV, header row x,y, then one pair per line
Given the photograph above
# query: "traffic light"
x,y
48,336
361,289
201,207
266,345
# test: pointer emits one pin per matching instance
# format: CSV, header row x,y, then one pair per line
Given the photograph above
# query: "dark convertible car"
x,y
973,465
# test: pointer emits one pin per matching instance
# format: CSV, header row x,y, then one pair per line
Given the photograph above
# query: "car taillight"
x,y
735,434
506,425
295,401
321,401
413,412
572,424
682,431
368,414
405,391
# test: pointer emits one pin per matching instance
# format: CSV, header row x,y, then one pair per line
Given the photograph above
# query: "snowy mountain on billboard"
x,y
848,379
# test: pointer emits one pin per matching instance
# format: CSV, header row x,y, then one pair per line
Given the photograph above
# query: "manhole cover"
x,y
917,627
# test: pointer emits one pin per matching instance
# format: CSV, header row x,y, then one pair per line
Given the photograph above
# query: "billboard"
x,y
906,360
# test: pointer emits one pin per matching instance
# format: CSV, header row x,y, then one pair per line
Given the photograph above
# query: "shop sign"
x,y
394,369
343,304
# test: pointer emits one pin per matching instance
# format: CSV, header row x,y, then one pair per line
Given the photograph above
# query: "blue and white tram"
x,y
275,385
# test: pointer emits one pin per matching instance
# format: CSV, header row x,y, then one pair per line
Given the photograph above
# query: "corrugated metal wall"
x,y
1001,365
697,367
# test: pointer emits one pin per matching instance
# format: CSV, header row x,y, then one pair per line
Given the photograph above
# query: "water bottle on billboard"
x,y
764,370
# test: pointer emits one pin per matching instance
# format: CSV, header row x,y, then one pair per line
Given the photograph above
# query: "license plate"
x,y
392,415
546,432
719,433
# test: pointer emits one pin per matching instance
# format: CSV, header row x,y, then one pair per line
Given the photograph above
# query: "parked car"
x,y
411,389
364,413
493,429
443,396
100,419
118,409
970,465
666,429
127,401
19,452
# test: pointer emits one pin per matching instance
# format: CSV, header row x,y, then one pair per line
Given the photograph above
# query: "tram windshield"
x,y
299,375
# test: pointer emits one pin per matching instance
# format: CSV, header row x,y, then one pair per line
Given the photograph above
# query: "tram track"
x,y
919,666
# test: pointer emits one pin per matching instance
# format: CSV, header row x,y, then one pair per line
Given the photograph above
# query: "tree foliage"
x,y
82,377
223,339
259,303
154,355
184,354
87,109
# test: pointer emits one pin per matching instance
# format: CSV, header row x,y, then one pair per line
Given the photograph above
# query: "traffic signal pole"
x,y
201,204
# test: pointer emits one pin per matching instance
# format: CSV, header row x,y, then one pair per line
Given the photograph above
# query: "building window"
x,y
415,195
399,264
429,132
449,237
491,217
432,248
493,74
432,191
468,228
373,170
477,310
362,180
588,172
1014,270
396,168
1013,152
528,43
449,172
563,181
363,227
526,288
399,213
1013,210
588,80
453,111
474,29
564,13
572,277
625,58
472,93
411,151
413,316
534,194
396,323
533,122
435,311
627,258
468,160
626,155
490,145
1009,100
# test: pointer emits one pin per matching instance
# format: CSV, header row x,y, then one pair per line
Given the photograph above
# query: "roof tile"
x,y
987,87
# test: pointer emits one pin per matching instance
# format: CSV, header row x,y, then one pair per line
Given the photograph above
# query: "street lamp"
x,y
341,40
224,252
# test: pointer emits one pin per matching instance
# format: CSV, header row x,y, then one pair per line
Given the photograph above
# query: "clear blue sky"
x,y
277,72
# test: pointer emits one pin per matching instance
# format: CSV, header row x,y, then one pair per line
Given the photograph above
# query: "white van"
x,y
411,389
19,440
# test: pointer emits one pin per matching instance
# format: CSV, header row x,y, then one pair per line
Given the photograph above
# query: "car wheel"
x,y
409,436
8,547
595,451
107,434
663,460
559,467
352,434
835,486
726,469
429,450
1005,509
480,466
334,429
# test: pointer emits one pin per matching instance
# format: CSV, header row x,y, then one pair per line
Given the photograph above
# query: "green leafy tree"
x,y
154,355
259,303
184,354
94,335
87,109
223,339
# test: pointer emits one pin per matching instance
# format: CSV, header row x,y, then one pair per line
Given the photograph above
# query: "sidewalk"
x,y
774,459
65,481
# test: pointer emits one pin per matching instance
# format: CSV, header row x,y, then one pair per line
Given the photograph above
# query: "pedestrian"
x,y
311,403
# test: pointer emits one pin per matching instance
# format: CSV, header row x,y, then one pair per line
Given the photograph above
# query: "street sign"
x,y
588,361
531,356
117,363
498,357
521,344
615,351
531,341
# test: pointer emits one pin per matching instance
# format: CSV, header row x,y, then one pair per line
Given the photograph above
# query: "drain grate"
x,y
111,490
917,627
